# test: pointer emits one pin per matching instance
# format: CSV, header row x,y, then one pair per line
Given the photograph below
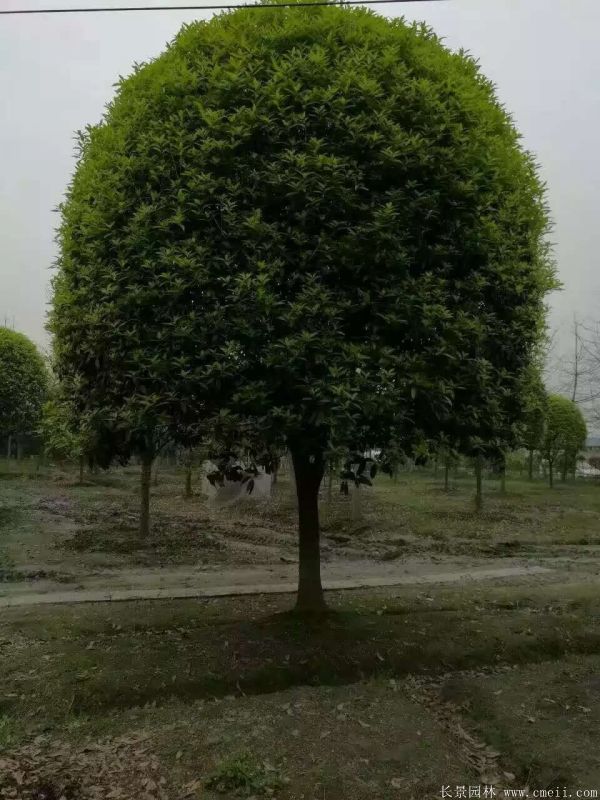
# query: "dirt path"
x,y
185,583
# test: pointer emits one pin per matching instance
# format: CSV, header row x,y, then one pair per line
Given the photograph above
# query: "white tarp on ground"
x,y
224,492
587,471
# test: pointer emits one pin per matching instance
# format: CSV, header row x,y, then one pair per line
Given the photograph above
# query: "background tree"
x,y
564,434
23,384
318,220
534,419
487,427
358,470
65,438
575,437
446,451
60,441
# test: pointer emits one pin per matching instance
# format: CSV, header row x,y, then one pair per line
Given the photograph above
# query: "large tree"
x,y
317,220
23,384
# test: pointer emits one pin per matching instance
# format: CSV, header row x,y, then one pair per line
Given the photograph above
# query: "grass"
x,y
243,776
215,684
394,694
96,660
543,719
51,524
7,731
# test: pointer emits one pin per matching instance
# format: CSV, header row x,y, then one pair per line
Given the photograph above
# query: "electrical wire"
x,y
28,11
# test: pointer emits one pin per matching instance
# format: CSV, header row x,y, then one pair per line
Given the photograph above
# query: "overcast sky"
x,y
57,72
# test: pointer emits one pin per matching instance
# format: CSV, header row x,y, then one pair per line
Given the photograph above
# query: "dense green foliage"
x,y
565,433
315,223
62,440
535,406
320,215
23,383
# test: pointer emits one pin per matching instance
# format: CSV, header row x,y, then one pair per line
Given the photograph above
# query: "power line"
x,y
15,11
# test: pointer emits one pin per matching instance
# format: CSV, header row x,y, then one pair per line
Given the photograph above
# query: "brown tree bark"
x,y
356,506
565,467
188,482
146,478
308,471
274,476
330,484
530,466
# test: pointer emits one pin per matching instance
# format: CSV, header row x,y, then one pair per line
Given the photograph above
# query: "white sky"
x,y
58,71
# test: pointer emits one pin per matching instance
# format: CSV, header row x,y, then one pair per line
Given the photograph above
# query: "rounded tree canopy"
x,y
317,219
565,431
23,383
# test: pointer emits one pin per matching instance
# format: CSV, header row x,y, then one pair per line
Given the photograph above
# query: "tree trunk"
x,y
478,492
274,476
446,474
308,477
81,467
563,476
293,480
530,466
188,482
145,496
551,473
356,510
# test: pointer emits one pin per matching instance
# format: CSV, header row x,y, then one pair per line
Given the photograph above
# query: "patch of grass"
x,y
322,699
9,575
543,719
93,526
170,538
93,660
9,516
7,732
244,776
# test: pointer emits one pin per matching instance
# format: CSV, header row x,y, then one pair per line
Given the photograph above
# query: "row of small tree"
x,y
555,430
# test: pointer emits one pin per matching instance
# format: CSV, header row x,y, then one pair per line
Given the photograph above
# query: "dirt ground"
x,y
58,535
394,695
401,692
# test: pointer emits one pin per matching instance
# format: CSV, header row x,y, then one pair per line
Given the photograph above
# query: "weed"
x,y
245,777
7,734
